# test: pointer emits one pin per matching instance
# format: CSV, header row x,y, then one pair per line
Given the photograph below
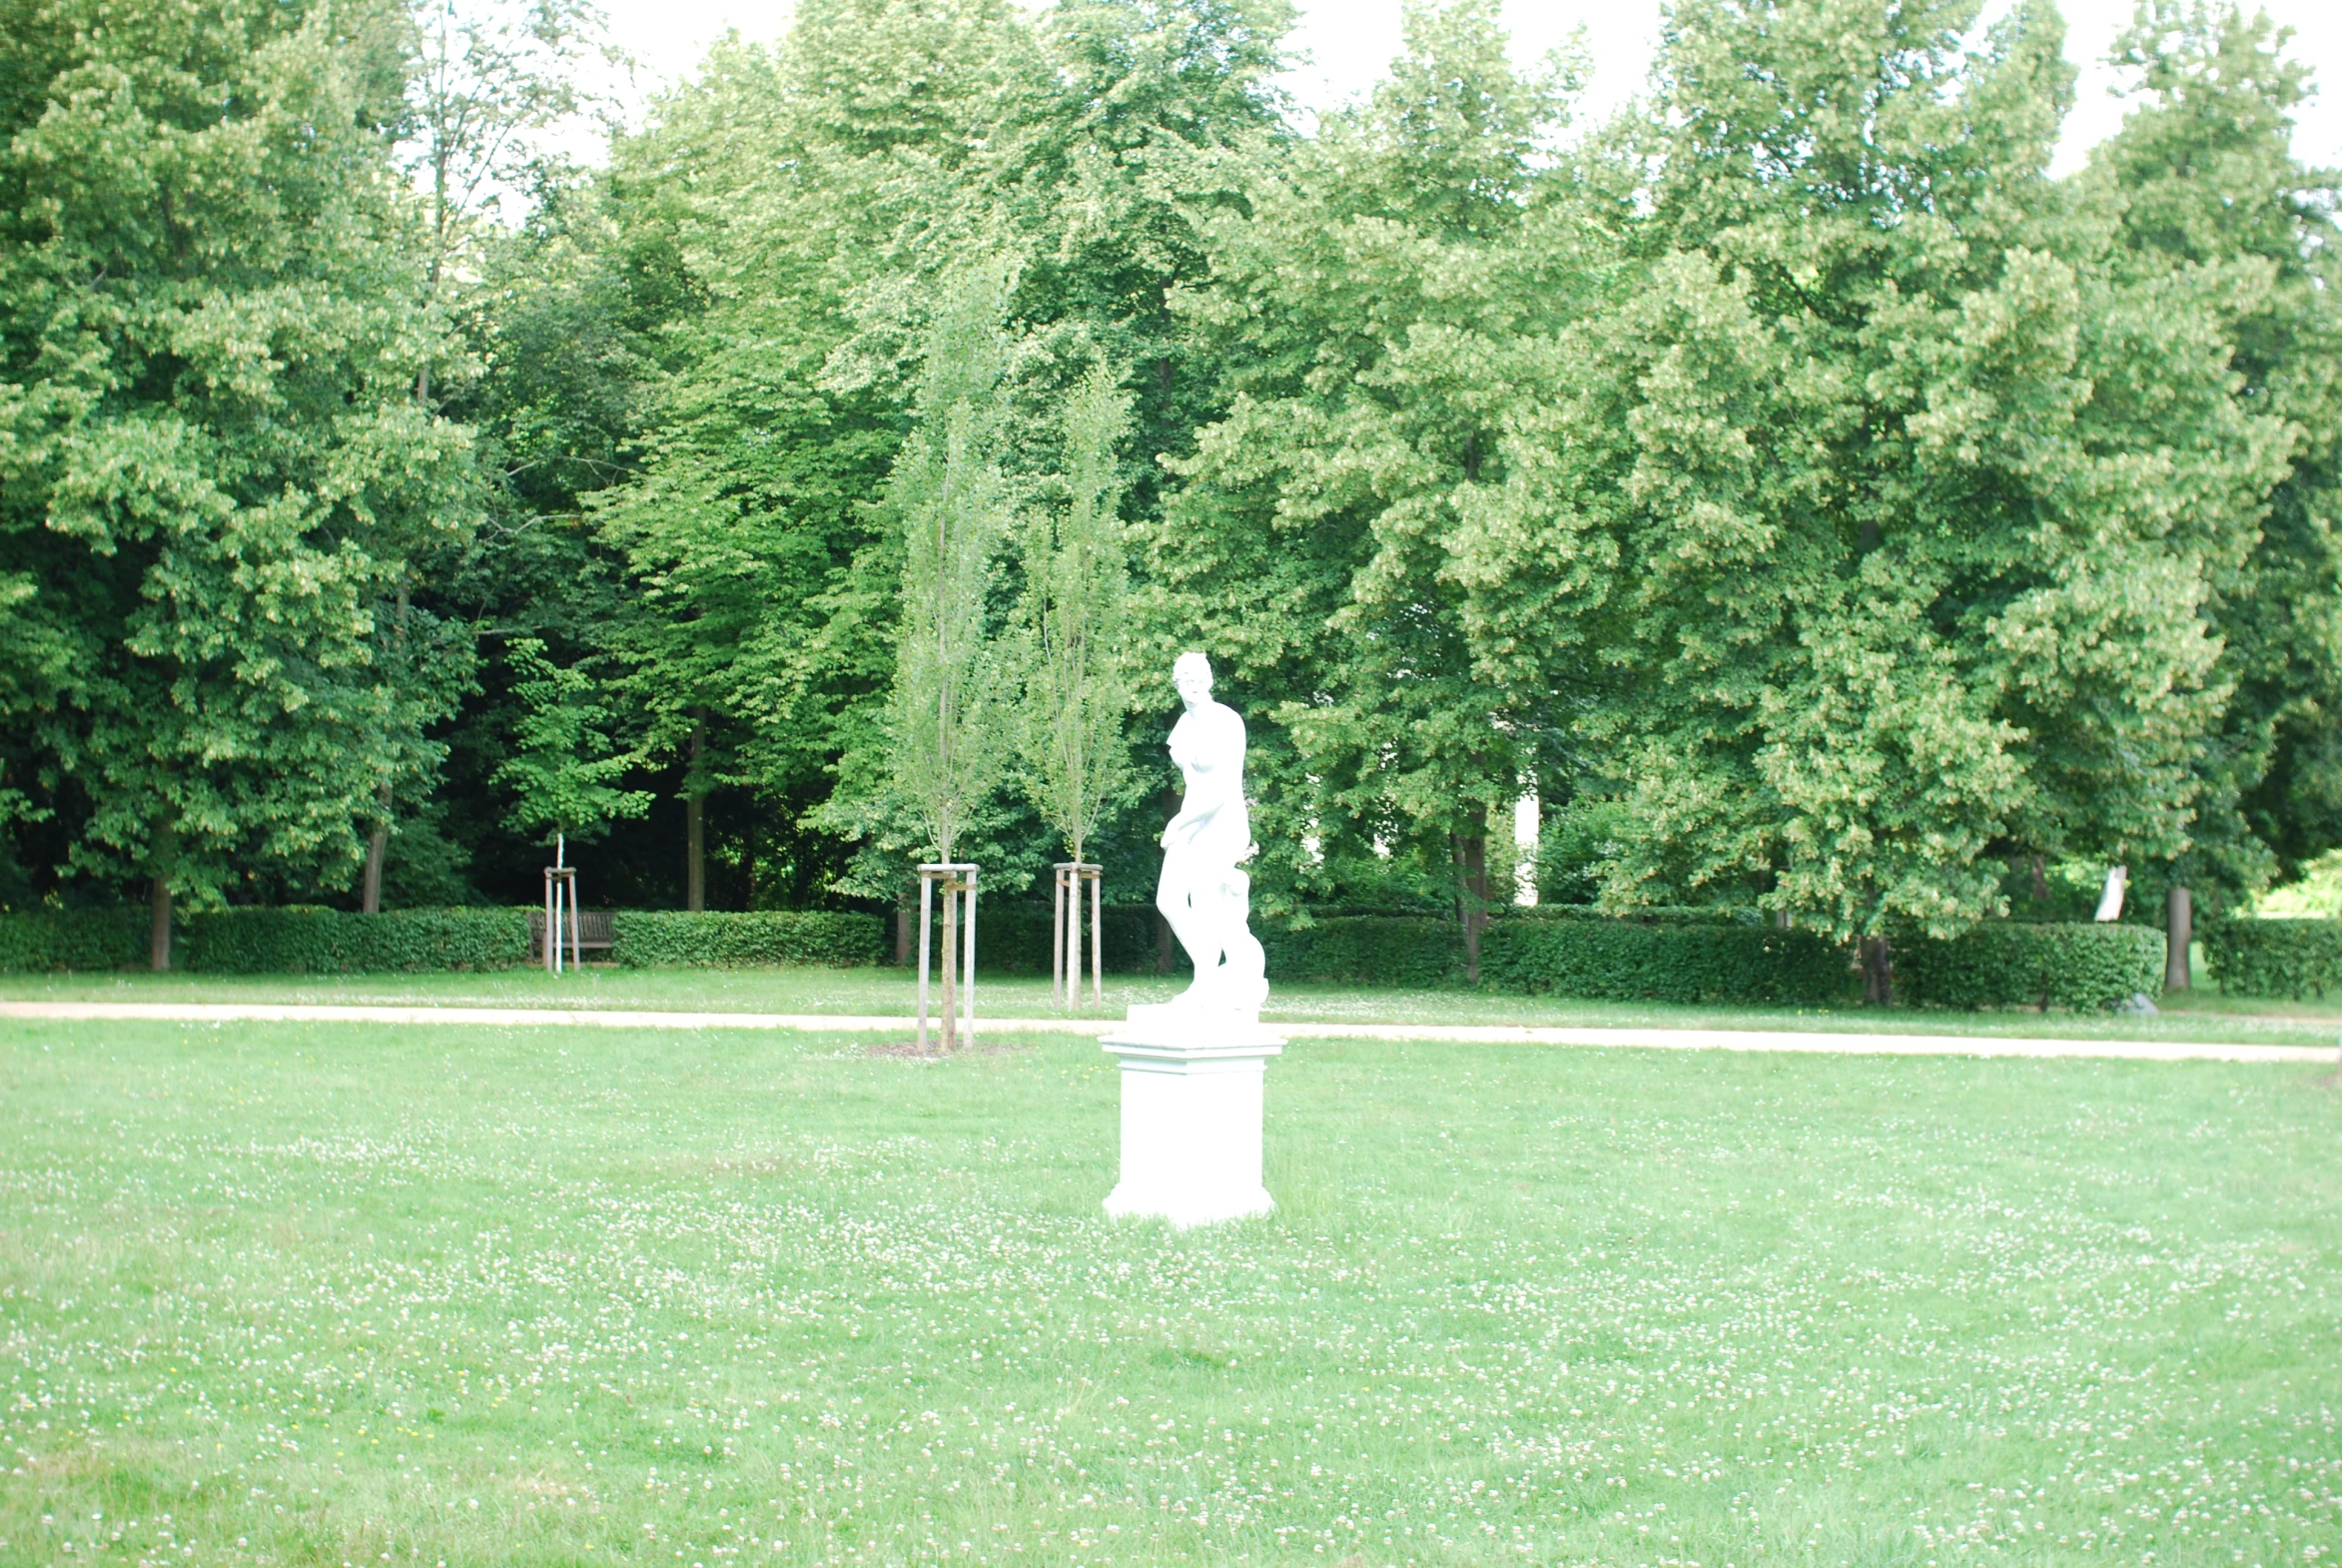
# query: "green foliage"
x,y
563,768
2006,963
1664,961
648,939
326,941
1013,939
1375,950
1380,307
2202,188
1075,694
948,743
71,939
214,471
256,941
1578,846
2275,958
1883,506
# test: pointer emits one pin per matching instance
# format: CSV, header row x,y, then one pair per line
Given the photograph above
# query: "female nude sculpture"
x,y
1207,901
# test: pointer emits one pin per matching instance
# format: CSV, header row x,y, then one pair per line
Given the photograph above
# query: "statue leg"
x,y
1178,902
1245,983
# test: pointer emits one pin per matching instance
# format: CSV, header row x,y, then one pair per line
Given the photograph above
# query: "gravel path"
x,y
1499,1033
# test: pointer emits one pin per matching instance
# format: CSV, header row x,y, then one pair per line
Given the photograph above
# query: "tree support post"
x,y
1064,948
560,892
956,881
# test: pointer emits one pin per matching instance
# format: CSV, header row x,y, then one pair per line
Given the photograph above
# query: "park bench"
x,y
593,932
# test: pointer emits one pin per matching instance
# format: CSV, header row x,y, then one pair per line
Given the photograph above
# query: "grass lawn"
x,y
363,1295
2202,1014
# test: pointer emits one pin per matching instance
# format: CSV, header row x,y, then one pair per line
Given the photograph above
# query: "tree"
x,y
564,767
1380,304
1913,498
930,778
1077,692
489,76
211,461
1074,620
816,191
2200,181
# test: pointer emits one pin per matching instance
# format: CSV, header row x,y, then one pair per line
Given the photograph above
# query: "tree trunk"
x,y
1878,973
2178,933
377,843
1472,860
2040,872
695,826
748,860
377,846
159,925
902,936
1163,945
951,1000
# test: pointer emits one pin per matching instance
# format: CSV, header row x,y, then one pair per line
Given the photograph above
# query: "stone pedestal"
x,y
1191,1095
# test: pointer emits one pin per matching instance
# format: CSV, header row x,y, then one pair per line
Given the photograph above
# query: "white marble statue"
x,y
1206,899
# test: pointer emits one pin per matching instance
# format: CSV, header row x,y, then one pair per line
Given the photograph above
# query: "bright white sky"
x,y
1350,42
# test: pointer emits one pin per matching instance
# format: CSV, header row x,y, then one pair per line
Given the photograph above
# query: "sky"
x,y
1350,42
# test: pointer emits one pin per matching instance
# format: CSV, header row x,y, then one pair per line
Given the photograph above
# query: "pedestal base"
x,y
1192,1098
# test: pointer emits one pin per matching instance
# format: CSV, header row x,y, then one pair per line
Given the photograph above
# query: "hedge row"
x,y
1375,950
329,942
1013,938
2089,968
2275,958
663,938
1635,961
71,939
310,941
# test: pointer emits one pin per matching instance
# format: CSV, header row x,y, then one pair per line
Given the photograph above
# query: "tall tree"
x,y
211,461
1914,498
1381,303
488,80
949,726
2201,181
818,190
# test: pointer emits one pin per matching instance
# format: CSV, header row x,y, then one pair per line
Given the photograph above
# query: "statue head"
x,y
1192,677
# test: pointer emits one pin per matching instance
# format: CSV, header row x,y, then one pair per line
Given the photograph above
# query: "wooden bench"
x,y
593,932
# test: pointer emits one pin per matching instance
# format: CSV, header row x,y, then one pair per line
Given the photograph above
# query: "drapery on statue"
x,y
1204,894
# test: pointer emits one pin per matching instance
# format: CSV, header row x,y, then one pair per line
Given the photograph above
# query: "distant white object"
x,y
1202,893
2110,901
1527,829
1193,1069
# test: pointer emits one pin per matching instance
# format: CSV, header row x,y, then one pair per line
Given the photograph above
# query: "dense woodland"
x,y
1816,504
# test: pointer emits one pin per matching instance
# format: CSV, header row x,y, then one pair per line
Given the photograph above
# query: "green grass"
x,y
364,1295
2202,1015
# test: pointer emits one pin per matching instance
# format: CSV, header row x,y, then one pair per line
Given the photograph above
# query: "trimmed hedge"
x,y
1013,938
52,939
2088,967
1655,961
2275,958
310,941
660,939
1380,950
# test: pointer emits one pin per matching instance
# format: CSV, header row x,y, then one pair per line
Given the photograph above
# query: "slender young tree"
x,y
947,738
1076,694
